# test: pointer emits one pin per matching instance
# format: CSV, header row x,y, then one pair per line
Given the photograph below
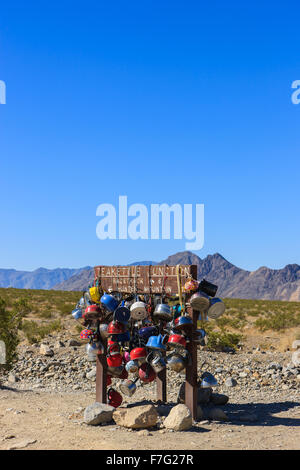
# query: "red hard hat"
x,y
177,340
92,309
138,353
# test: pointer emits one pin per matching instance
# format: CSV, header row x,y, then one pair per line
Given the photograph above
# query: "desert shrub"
x,y
278,321
10,323
35,332
64,308
220,340
238,322
47,314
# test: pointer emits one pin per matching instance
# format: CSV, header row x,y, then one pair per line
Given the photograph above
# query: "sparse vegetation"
x,y
35,332
222,340
10,324
48,311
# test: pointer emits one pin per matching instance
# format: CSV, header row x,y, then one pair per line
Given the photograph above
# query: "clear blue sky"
x,y
162,101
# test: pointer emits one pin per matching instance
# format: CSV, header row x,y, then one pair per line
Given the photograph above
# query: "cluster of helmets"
x,y
141,337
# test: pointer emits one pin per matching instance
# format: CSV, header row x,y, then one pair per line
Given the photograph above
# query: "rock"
x,y
59,345
73,342
21,444
275,365
45,350
203,397
179,418
216,414
296,358
136,417
219,399
98,413
243,375
163,410
199,413
296,344
143,432
12,378
230,382
92,374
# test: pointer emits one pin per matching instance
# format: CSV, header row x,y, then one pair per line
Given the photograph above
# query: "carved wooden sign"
x,y
143,279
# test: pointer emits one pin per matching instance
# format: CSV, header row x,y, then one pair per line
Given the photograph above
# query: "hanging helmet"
x,y
86,334
138,353
92,311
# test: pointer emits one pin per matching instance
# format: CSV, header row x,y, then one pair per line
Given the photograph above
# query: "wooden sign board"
x,y
143,279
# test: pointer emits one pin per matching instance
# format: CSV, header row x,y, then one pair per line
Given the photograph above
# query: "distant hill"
x,y
264,283
41,278
82,280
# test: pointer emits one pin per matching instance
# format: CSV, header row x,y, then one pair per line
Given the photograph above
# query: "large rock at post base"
x,y
98,413
296,358
137,417
203,394
179,418
219,399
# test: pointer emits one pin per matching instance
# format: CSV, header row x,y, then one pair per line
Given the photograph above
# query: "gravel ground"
x,y
43,398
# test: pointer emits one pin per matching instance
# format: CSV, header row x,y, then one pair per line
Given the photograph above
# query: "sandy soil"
x,y
34,419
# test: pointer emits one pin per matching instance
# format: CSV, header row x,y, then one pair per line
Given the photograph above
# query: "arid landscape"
x,y
255,406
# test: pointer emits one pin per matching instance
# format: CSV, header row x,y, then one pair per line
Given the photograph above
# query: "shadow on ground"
x,y
246,414
261,413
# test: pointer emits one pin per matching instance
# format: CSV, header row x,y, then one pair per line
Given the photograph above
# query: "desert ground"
x,y
44,395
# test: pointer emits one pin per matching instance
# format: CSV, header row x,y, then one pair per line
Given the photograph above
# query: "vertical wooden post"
x,y
191,389
101,376
161,384
161,380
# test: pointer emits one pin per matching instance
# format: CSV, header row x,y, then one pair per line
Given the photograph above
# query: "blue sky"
x,y
184,102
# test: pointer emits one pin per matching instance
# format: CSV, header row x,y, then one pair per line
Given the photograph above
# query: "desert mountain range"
x,y
264,283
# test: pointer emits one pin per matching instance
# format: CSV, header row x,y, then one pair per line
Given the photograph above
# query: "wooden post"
x,y
108,278
191,389
161,379
101,376
161,384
